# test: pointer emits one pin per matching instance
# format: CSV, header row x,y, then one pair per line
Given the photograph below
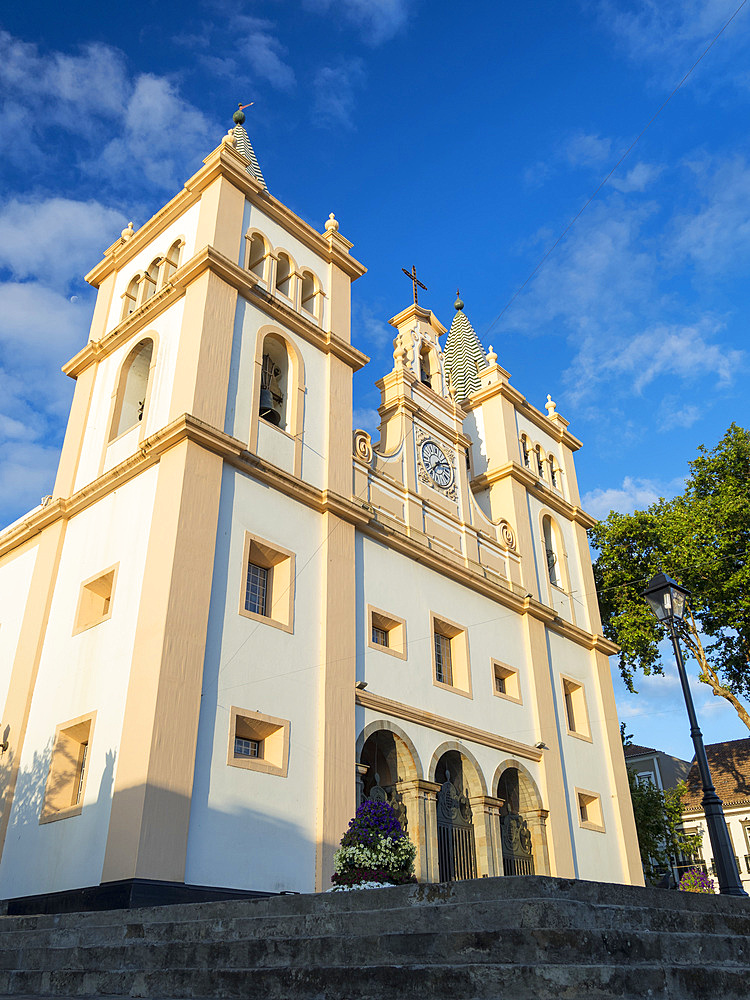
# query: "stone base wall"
x,y
530,938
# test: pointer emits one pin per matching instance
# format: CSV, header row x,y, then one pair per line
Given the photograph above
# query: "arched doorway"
x,y
457,858
386,763
522,823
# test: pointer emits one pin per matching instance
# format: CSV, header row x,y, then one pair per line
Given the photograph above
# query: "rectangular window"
x,y
95,600
68,769
506,684
257,589
590,811
387,632
450,655
268,580
576,711
258,742
443,662
247,748
379,636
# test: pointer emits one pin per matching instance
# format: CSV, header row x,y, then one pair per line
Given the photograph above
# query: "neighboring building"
x,y
661,769
729,764
230,619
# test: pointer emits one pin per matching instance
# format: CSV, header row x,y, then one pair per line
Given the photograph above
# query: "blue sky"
x,y
462,139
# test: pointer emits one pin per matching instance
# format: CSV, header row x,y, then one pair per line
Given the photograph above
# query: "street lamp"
x,y
667,600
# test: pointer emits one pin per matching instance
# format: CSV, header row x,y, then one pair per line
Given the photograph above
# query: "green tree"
x,y
702,539
658,818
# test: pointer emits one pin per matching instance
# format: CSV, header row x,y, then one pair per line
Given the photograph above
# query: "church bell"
x,y
268,409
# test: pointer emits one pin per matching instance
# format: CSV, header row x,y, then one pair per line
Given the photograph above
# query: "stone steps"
x,y
491,939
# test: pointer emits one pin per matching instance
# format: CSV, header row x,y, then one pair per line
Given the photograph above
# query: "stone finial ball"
x,y
238,118
458,304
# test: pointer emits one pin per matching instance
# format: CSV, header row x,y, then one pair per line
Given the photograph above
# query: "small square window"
x,y
268,581
95,600
68,770
590,811
506,683
387,632
258,742
450,656
576,712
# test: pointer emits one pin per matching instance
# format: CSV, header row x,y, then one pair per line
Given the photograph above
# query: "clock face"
x,y
437,466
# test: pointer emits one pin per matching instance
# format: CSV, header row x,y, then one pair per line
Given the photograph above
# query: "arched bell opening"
x,y
458,780
386,765
522,823
274,376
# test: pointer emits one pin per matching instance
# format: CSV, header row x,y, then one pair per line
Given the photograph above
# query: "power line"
x,y
624,155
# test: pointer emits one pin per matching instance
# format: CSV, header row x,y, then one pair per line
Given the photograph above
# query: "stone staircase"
x,y
490,939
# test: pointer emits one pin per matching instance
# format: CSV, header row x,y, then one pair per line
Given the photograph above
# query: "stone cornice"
x,y
224,161
450,727
544,493
555,426
209,259
234,451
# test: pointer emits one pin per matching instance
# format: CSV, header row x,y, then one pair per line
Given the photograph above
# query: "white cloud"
x,y
57,239
584,149
366,419
264,53
638,178
369,328
632,494
377,20
334,88
675,412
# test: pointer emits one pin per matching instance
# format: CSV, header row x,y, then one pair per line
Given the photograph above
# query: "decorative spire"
x,y
243,145
464,357
458,304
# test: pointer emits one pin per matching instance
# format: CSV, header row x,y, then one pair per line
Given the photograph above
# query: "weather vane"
x,y
412,276
239,116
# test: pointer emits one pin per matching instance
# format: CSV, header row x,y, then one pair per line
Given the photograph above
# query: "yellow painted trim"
x,y
537,487
393,625
588,824
460,660
442,724
578,685
77,628
556,428
268,727
52,811
509,672
282,581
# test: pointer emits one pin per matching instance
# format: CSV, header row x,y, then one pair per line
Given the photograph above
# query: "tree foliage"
x,y
702,539
658,819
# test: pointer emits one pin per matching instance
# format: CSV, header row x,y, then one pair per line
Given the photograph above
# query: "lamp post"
x,y
667,600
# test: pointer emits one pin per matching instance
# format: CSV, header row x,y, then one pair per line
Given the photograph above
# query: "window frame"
x,y
513,690
394,627
281,581
575,688
65,788
83,624
272,735
588,799
458,638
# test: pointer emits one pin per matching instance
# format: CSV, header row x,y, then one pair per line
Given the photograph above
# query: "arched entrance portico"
x,y
523,832
460,781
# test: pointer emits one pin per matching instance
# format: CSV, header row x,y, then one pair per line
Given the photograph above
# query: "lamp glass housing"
x,y
666,598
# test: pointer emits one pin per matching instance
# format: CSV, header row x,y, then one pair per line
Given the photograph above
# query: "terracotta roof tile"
x,y
633,750
730,769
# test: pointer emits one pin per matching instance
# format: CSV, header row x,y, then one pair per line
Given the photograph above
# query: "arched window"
x,y
274,380
539,454
284,275
309,293
552,551
256,256
130,298
132,389
554,473
150,279
428,367
525,451
171,261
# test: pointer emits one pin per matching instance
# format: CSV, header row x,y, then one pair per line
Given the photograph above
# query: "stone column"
x,y
486,818
537,822
420,799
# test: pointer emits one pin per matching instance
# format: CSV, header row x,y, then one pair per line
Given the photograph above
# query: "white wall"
x,y
184,228
79,674
249,829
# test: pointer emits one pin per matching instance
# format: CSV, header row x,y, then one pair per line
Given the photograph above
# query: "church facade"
x,y
233,619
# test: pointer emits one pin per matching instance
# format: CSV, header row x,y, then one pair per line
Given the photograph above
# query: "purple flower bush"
x,y
696,880
374,850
